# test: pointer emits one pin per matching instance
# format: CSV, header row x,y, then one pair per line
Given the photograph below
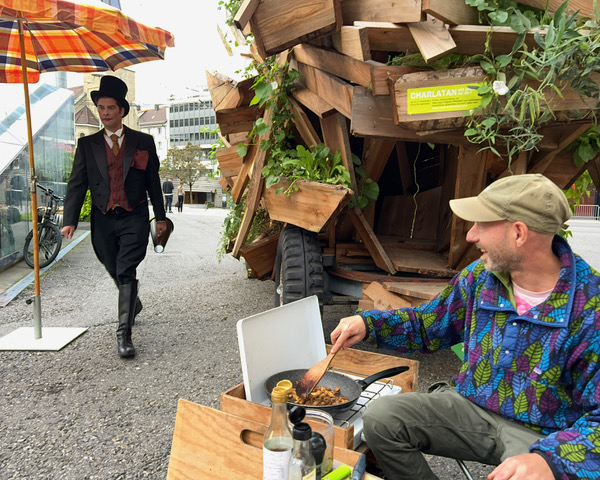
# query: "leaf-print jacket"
x,y
539,369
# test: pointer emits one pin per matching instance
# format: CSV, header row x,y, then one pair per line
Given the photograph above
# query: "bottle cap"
x,y
279,395
302,431
297,414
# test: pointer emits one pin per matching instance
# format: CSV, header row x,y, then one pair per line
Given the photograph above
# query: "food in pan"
x,y
319,397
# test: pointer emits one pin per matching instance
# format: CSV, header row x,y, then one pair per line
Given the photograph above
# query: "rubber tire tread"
x,y
28,240
300,268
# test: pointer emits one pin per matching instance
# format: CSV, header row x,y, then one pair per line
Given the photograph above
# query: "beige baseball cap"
x,y
532,199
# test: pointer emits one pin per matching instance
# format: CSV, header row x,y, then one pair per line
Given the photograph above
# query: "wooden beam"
x,y
328,87
370,74
370,241
237,120
244,14
219,86
404,167
305,129
336,137
432,38
255,190
593,168
396,11
585,7
375,155
353,42
470,181
469,39
384,299
230,163
240,94
540,161
313,102
241,181
453,12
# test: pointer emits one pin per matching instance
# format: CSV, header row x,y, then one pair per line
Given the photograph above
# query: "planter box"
x,y
260,255
311,207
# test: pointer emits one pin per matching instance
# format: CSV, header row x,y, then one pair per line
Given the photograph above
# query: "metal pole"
x,y
37,310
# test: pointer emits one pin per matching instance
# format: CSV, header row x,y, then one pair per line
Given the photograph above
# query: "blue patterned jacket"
x,y
539,369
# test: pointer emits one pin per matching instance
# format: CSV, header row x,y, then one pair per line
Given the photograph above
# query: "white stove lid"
x,y
284,338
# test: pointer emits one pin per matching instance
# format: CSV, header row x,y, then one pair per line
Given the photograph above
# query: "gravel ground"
x,y
84,413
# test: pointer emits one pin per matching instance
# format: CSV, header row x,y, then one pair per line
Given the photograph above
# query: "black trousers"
x,y
120,240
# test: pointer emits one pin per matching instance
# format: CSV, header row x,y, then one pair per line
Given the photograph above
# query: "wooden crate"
x,y
356,361
211,444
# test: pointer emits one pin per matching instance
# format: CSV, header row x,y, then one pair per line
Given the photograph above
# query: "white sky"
x,y
198,47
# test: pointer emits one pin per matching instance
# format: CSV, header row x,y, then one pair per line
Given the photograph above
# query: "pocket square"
x,y
140,159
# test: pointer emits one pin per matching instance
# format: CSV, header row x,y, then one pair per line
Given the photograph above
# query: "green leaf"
x,y
242,149
503,60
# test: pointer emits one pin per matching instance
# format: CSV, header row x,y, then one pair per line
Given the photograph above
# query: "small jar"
x,y
322,422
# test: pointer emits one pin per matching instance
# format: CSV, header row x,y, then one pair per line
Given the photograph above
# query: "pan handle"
x,y
390,372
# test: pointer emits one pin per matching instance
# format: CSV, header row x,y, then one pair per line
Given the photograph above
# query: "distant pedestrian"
x,y
180,196
120,167
168,188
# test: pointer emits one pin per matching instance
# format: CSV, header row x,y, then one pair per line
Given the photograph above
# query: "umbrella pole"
x,y
37,305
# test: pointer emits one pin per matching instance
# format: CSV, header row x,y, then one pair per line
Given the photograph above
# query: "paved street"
x,y
84,413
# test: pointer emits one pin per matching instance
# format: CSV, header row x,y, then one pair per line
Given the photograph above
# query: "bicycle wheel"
x,y
50,241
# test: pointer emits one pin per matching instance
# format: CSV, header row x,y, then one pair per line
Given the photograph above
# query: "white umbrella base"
x,y
53,339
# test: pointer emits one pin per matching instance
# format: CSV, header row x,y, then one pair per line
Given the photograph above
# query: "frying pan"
x,y
349,388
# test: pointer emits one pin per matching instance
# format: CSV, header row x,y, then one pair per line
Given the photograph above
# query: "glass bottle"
x,y
277,441
302,463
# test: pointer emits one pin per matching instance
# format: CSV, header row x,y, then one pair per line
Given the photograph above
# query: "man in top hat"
x,y
120,167
527,396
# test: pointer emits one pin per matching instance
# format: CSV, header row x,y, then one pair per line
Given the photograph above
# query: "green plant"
x,y
85,214
368,190
515,98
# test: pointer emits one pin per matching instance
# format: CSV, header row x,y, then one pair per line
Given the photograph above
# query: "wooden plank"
x,y
375,155
373,116
396,11
311,207
540,161
244,14
328,87
313,102
404,167
383,299
241,181
585,7
370,240
239,95
225,183
281,24
335,136
305,129
418,261
369,74
432,38
420,290
230,163
470,181
255,190
219,86
353,42
238,137
469,39
453,12
237,120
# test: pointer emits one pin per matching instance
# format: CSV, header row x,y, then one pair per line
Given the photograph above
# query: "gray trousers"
x,y
400,428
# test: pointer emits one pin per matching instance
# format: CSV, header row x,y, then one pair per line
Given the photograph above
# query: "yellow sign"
x,y
450,98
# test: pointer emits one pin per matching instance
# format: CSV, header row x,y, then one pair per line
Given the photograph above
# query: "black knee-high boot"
x,y
138,302
127,296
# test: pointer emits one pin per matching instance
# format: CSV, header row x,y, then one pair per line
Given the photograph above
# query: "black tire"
x,y
50,242
298,266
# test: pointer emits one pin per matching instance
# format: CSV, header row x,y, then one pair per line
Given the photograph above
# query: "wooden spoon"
x,y
310,379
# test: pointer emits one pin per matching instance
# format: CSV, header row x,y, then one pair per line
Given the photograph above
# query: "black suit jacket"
x,y
90,169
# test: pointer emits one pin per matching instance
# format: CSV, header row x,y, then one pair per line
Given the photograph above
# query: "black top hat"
x,y
113,87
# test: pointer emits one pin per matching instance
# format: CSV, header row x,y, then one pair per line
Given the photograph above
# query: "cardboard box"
x,y
353,361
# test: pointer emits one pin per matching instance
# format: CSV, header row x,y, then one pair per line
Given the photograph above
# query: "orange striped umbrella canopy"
x,y
75,37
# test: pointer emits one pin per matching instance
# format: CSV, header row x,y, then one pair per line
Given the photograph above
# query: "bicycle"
x,y
49,236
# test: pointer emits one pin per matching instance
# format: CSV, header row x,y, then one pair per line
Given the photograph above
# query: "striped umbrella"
x,y
50,35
